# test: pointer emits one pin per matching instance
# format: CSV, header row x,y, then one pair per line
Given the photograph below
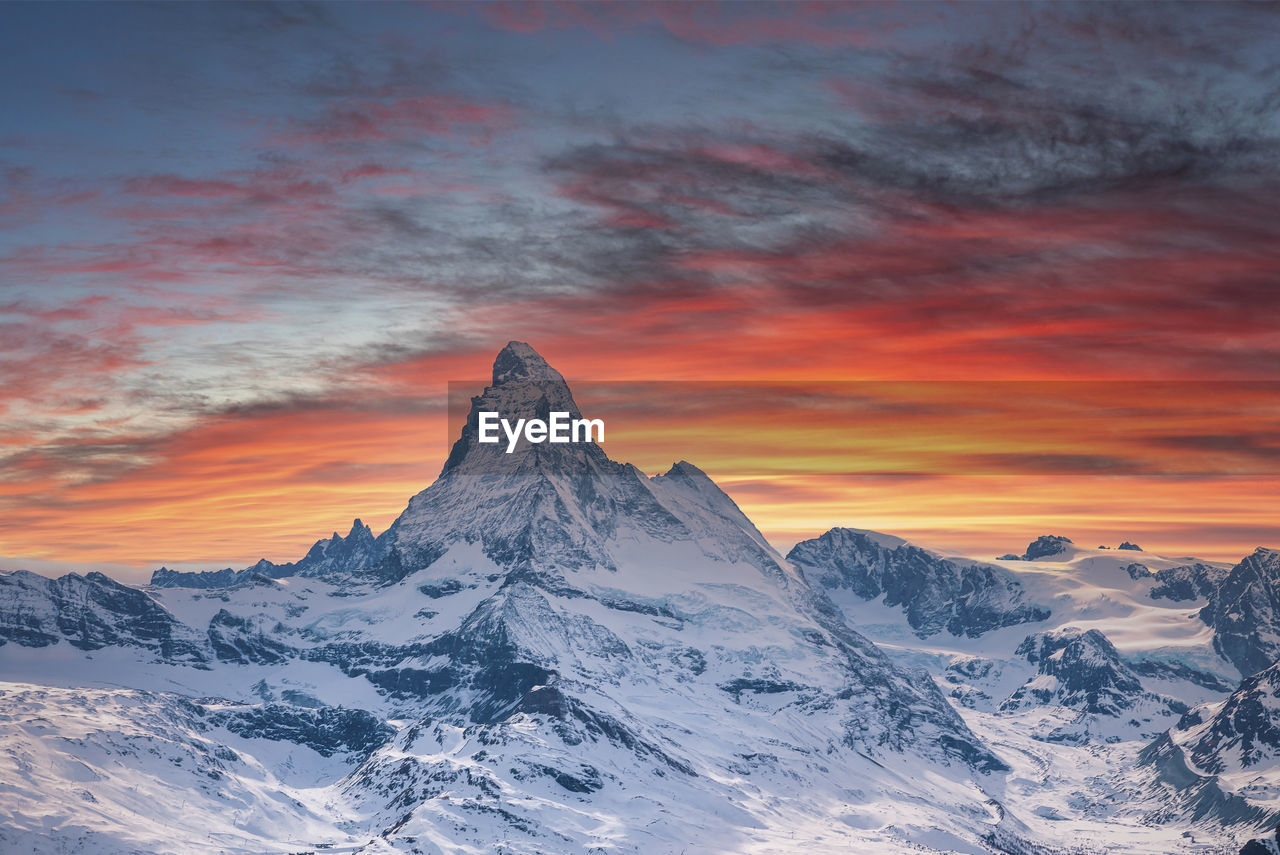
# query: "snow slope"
x,y
1073,701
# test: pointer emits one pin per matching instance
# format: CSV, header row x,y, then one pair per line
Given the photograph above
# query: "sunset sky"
x,y
244,249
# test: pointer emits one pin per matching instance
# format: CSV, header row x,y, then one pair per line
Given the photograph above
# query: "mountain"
x,y
1081,670
1044,546
1084,672
1186,795
570,532
934,593
1072,706
549,651
547,648
567,507
1242,732
91,612
1244,612
1195,581
1223,759
333,554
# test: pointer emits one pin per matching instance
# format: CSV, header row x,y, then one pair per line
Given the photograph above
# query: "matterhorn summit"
x,y
520,363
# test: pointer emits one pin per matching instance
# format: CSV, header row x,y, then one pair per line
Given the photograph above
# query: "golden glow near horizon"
x,y
975,467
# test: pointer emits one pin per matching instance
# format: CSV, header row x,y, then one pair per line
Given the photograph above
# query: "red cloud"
x,y
825,25
173,185
373,170
405,118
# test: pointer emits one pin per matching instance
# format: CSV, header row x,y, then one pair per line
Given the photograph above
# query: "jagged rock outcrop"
x,y
1241,733
91,612
562,504
1244,611
333,554
1195,581
1046,546
1138,571
245,639
325,730
1192,794
1082,670
224,578
1222,741
935,593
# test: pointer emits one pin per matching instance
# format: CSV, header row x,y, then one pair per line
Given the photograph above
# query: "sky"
x,y
972,273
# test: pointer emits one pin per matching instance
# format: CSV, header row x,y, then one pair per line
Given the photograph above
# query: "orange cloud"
x,y
975,466
229,490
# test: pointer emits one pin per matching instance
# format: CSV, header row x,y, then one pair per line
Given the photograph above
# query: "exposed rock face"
x,y
327,731
224,578
560,504
1195,581
90,612
1237,737
1085,672
1194,794
1133,547
935,593
1081,670
1242,733
1046,546
1137,571
1162,669
1244,612
244,640
333,554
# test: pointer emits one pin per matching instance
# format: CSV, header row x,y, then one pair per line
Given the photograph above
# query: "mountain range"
x,y
552,652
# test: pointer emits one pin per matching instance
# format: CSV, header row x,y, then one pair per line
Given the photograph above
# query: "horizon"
x,y
971,542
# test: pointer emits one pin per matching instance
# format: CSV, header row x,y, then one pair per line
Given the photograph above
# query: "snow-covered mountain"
x,y
964,598
89,613
1244,611
1081,670
333,554
549,651
1240,733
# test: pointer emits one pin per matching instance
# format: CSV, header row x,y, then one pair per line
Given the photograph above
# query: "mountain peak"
x,y
1045,546
520,362
524,387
